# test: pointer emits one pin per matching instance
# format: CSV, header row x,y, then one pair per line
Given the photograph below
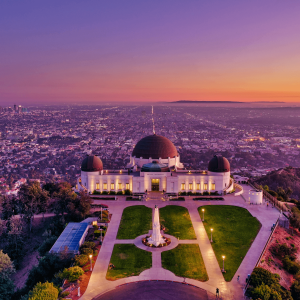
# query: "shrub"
x,y
44,291
90,245
112,192
47,267
295,290
127,192
47,245
97,233
105,193
119,193
260,276
183,193
290,265
262,292
71,274
95,227
96,192
86,251
281,250
81,260
272,193
205,193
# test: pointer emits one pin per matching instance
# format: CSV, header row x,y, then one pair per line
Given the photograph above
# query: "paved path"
x,y
228,290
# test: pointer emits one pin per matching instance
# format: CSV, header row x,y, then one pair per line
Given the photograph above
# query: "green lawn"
x,y
136,220
128,261
177,222
185,261
234,230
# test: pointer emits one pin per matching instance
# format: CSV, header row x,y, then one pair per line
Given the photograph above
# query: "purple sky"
x,y
102,51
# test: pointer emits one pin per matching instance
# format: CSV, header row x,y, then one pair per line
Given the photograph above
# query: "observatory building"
x,y
155,166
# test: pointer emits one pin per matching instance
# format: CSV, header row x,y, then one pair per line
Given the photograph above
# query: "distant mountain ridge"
x,y
288,177
206,101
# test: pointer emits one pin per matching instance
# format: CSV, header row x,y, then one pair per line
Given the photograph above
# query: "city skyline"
x,y
68,52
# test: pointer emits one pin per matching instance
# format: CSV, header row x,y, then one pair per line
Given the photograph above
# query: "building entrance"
x,y
155,185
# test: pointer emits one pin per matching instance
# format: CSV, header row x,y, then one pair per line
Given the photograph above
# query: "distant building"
x,y
155,166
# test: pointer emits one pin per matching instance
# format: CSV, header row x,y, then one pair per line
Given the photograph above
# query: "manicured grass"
x,y
128,261
234,230
177,222
136,220
185,261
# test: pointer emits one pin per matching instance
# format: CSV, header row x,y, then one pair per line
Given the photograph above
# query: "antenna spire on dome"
x,y
153,121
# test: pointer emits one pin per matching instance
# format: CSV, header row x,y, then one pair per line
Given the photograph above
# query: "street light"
x,y
223,270
211,230
91,262
203,214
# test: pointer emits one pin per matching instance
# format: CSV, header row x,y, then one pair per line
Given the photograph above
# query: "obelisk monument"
x,y
156,237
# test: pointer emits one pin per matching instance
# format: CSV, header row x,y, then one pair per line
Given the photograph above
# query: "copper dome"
x,y
154,146
92,163
219,164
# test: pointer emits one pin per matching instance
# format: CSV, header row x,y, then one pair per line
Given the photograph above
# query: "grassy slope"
x,y
185,261
128,261
234,230
136,220
177,222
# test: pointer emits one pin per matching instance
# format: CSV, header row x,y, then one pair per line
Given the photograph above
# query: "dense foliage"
x,y
43,291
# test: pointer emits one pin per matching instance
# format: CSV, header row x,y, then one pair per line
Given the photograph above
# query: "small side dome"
x,y
155,167
219,164
92,163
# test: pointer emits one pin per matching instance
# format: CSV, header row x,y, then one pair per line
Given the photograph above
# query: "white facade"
x,y
170,182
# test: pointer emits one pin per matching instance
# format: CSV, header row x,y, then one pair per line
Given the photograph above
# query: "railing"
x,y
262,253
278,204
238,187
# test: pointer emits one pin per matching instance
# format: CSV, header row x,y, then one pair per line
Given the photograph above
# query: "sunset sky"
x,y
148,51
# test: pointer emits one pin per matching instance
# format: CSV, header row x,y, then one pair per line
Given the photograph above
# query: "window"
x,y
213,186
112,186
105,186
127,186
190,186
119,186
183,186
198,186
97,186
205,186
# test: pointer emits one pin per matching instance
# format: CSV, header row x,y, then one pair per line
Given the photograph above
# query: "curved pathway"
x,y
98,284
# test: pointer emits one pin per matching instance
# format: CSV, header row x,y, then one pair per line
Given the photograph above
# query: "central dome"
x,y
154,146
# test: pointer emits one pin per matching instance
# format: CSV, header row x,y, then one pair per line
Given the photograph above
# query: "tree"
x,y
44,291
6,288
262,292
295,290
9,207
30,196
62,198
15,240
3,227
6,265
71,274
80,206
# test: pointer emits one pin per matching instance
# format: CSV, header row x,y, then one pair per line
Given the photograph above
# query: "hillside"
x,y
288,177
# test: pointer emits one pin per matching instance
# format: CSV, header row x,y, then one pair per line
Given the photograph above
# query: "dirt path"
x,y
21,275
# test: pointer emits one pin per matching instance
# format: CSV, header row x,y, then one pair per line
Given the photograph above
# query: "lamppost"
x,y
223,270
211,230
91,262
203,214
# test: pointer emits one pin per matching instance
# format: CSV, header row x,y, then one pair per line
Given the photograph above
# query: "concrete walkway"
x,y
228,290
